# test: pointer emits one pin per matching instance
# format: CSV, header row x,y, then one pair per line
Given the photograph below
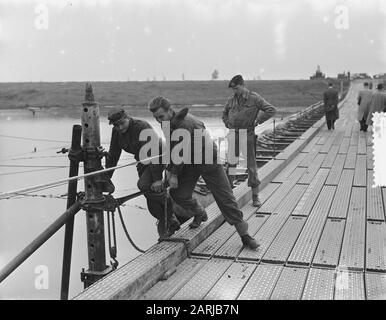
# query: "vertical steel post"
x,y
93,193
274,139
69,230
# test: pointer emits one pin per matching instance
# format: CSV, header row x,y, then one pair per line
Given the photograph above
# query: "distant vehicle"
x,y
380,76
360,76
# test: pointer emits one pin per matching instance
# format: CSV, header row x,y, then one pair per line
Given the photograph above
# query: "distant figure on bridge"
x,y
331,100
242,111
377,103
364,98
125,136
182,177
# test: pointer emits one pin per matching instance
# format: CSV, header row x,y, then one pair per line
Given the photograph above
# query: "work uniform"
x,y
331,100
364,98
147,173
377,104
213,174
243,112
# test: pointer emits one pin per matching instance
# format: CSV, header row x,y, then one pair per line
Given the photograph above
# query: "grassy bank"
x,y
283,93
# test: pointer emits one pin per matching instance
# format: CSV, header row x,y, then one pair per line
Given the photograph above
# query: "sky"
x,y
120,40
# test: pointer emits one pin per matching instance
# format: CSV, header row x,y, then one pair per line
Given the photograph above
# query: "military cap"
x,y
159,102
236,80
116,114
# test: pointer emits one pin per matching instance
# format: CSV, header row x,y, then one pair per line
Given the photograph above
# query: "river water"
x,y
32,160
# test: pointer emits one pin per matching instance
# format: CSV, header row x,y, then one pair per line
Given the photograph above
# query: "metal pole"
x,y
93,193
69,230
41,239
274,139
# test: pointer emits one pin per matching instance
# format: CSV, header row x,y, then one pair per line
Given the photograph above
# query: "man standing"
x,y
125,136
377,103
331,100
242,111
364,98
183,175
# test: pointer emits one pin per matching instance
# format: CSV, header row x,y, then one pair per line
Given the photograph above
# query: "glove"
x,y
157,186
75,155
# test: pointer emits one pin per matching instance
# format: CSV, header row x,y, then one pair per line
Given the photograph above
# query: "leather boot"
x,y
255,197
247,240
198,219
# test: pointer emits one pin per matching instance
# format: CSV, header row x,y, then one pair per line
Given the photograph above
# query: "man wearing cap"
x,y
125,136
182,176
242,111
331,100
364,98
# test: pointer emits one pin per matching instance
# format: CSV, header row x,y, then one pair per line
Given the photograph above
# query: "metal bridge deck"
x,y
321,228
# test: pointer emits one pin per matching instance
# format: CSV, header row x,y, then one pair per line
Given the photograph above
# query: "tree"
x,y
215,75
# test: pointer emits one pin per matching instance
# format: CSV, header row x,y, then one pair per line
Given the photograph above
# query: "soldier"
x,y
331,99
183,177
364,98
377,103
242,111
125,136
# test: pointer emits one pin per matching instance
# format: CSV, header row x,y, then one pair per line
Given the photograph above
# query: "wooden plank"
x,y
290,285
362,148
375,286
308,148
281,247
339,138
232,281
370,158
344,146
349,286
319,285
327,253
289,169
310,157
330,158
261,283
341,201
360,176
354,138
351,158
376,246
308,199
291,199
312,169
336,170
307,242
375,209
353,249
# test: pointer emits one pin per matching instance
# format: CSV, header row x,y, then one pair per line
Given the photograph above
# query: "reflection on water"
x,y
24,217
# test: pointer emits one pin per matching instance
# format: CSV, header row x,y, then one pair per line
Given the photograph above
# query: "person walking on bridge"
x,y
377,103
125,136
364,98
331,100
183,174
242,111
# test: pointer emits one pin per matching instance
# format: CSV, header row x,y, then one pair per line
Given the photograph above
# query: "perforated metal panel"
x,y
311,171
231,283
265,236
375,209
270,205
291,200
360,176
281,247
339,138
232,247
261,283
330,158
308,199
164,290
351,158
348,131
327,253
349,286
341,201
352,255
203,281
336,170
290,285
285,173
375,286
370,158
308,240
310,156
327,146
354,138
376,246
344,145
319,285
362,148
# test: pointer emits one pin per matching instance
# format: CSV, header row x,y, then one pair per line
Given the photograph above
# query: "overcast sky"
x,y
62,40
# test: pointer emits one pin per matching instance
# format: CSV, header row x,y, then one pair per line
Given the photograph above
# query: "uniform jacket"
x,y
129,141
184,120
243,112
331,100
377,104
364,98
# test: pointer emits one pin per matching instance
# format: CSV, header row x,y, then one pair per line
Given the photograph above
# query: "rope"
x,y
127,233
5,195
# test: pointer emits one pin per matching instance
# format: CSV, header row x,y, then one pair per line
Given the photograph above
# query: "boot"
x,y
198,219
173,226
246,239
255,197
